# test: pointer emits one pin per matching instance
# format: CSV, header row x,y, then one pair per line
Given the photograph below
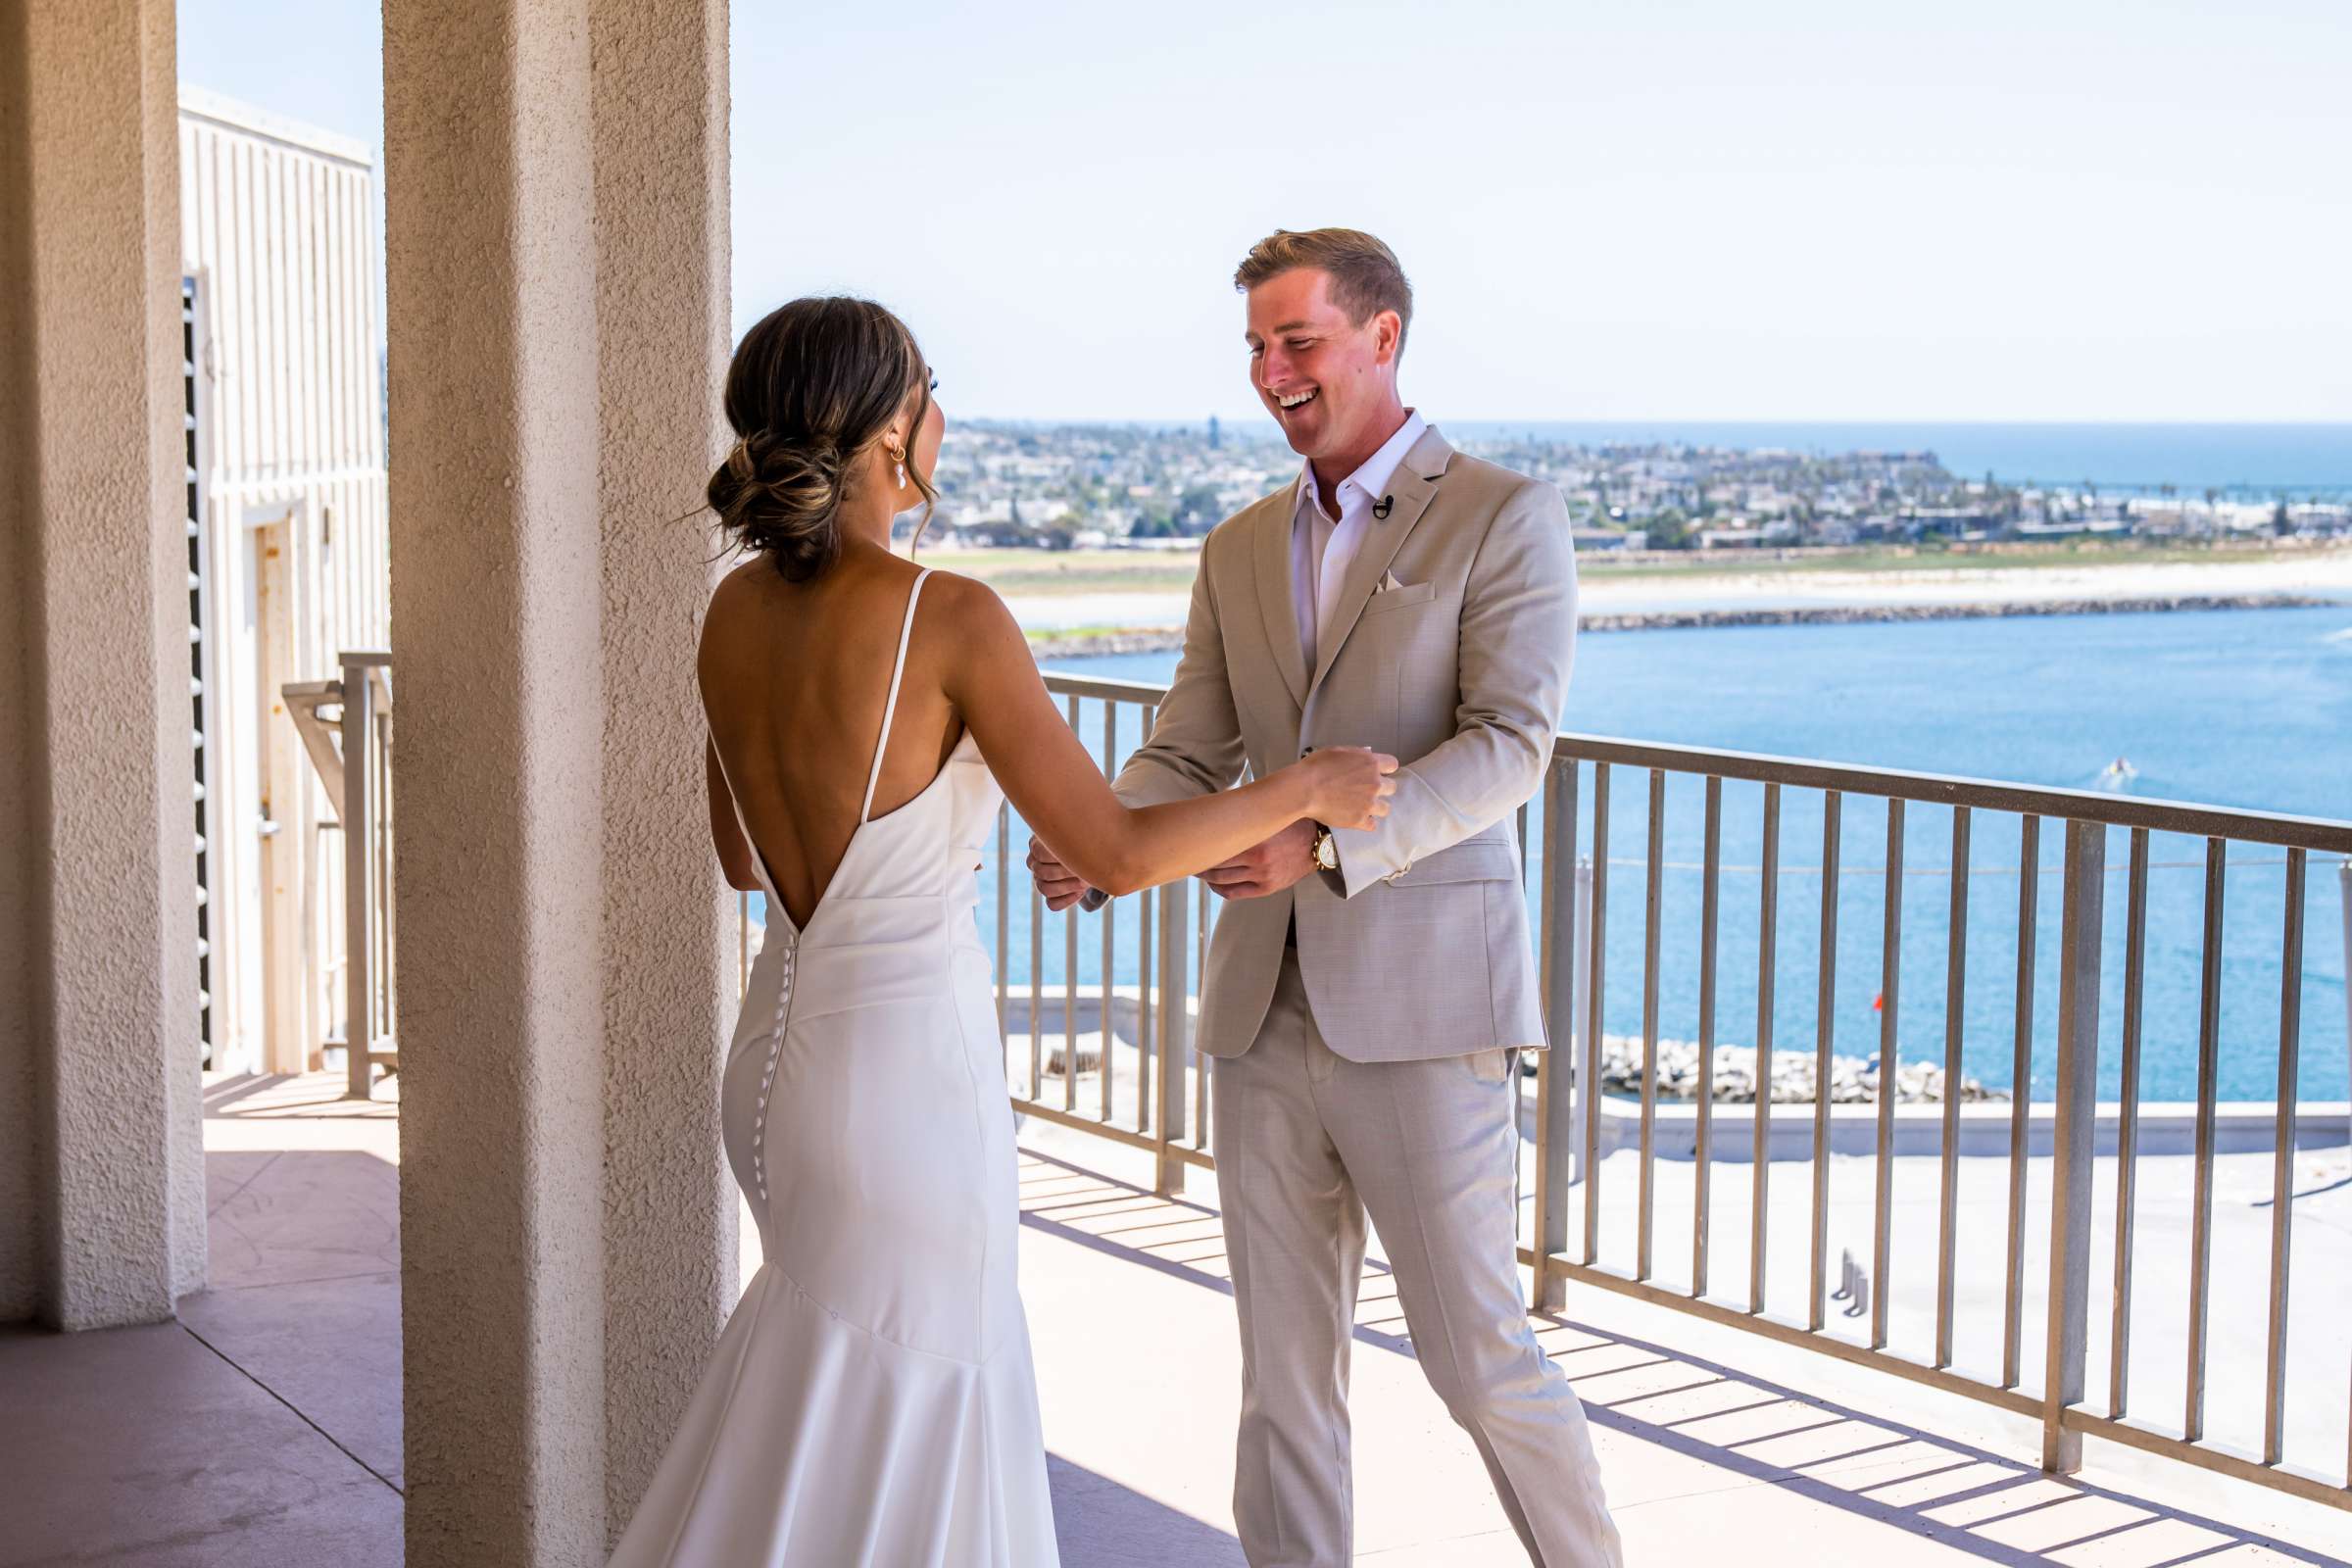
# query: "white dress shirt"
x,y
1322,548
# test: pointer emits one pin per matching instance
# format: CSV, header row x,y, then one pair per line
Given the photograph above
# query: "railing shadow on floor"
x,y
1951,1504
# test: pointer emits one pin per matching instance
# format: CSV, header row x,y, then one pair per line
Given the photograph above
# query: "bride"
x,y
871,1401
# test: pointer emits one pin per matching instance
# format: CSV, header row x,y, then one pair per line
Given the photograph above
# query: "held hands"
x,y
1351,788
1266,868
1347,787
1059,886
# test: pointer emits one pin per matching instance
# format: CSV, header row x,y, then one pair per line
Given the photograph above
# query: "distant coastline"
x,y
2234,458
1089,642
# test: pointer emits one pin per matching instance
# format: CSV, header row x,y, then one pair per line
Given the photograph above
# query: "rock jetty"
x,y
1853,1080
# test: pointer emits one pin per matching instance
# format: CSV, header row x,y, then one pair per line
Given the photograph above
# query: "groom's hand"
x,y
1267,867
1060,886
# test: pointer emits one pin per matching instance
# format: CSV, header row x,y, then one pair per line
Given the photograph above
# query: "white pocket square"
x,y
1388,583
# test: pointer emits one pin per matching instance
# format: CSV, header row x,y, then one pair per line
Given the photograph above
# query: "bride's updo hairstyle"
x,y
813,386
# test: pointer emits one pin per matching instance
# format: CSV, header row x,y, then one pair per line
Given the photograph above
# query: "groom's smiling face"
x,y
1323,375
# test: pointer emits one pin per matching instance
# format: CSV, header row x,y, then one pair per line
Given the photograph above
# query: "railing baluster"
x,y
2020,1069
1174,1030
1146,1020
1198,1064
2209,1054
2074,1124
1955,991
1003,918
1556,1076
1768,909
1036,994
1890,974
1069,983
1646,1188
1702,1193
2127,1125
2283,1157
1825,1030
1595,985
362,957
1110,912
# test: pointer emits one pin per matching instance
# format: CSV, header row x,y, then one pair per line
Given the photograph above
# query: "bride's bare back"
x,y
794,679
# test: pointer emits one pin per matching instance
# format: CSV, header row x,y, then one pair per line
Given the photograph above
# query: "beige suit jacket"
x,y
1418,947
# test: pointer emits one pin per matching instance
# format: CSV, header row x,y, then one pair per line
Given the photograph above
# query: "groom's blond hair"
x,y
1366,278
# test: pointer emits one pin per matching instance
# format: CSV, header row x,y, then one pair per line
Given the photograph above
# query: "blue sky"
x,y
1820,208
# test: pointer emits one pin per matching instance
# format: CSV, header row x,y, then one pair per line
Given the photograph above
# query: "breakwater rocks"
x,y
1087,644
1847,614
1092,643
1853,1080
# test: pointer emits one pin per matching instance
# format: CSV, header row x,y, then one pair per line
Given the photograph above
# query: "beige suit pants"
x,y
1308,1142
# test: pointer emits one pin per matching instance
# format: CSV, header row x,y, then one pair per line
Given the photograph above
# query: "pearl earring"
x,y
899,472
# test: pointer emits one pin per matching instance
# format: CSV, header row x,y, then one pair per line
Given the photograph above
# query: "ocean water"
x,y
2297,459
2249,709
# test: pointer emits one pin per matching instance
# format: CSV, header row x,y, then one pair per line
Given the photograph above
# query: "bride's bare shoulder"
x,y
739,590
966,603
740,618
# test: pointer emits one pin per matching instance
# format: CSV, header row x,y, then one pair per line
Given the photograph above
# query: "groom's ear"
x,y
1388,337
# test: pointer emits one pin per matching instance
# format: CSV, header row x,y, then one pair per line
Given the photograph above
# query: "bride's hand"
x,y
1348,785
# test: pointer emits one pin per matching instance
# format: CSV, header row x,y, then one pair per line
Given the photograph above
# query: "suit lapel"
x,y
1272,562
1413,486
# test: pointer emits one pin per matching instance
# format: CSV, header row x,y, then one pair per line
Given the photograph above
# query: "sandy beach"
x,y
1147,591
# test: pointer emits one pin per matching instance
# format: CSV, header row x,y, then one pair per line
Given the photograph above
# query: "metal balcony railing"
x,y
346,728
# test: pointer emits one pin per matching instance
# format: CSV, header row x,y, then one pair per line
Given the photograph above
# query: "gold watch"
x,y
1327,849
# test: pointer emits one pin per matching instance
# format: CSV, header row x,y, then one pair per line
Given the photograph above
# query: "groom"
x,y
1368,994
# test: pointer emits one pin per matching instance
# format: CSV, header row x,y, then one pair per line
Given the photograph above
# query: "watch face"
x,y
1327,851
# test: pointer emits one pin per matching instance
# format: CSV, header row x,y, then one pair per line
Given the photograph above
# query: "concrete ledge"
x,y
2239,1127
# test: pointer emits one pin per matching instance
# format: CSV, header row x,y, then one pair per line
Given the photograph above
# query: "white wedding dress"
x,y
872,1400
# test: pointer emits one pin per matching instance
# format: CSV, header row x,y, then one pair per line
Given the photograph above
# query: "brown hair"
x,y
813,386
1366,278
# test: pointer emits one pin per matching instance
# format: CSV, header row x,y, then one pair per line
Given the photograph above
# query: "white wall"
x,y
275,228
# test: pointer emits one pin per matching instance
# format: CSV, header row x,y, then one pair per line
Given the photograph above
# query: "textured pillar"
x,y
497,776
661,125
557,257
26,1206
101,1156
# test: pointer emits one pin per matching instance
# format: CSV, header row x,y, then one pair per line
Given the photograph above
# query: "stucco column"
x,y
659,106
556,175
497,776
101,1154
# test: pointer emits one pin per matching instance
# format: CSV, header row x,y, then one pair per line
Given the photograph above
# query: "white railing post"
x,y
367,864
1556,1073
1175,1032
2074,1130
2343,880
359,971
1588,1051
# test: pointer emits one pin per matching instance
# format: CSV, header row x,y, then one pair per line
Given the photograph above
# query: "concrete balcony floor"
x,y
263,1427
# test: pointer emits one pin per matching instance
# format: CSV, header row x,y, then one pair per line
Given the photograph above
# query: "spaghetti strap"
x,y
890,707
